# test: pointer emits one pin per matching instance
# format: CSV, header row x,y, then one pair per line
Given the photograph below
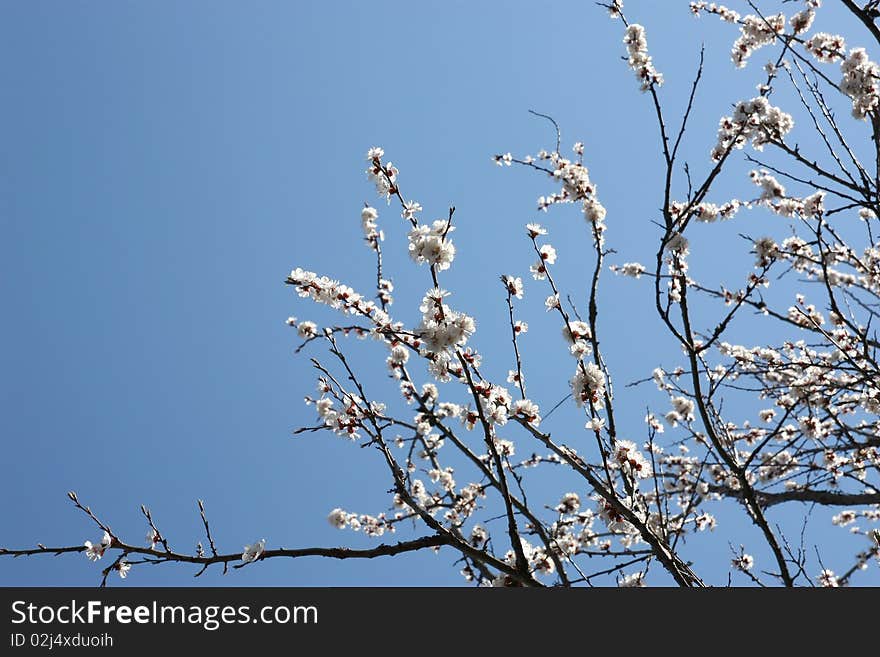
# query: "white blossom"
x,y
860,82
338,518
744,562
828,579
95,551
514,285
253,551
754,121
633,580
588,385
431,245
631,269
307,330
639,59
826,47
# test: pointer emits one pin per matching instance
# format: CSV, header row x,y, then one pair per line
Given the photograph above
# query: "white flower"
x,y
372,234
595,424
254,551
307,330
543,562
535,230
443,477
826,47
813,204
528,410
682,411
410,208
802,21
504,448
514,285
595,212
705,521
639,59
588,385
678,243
430,245
631,269
828,579
635,580
576,331
580,348
631,460
570,503
384,176
478,536
654,423
399,356
614,9
95,552
324,407
442,327
755,121
721,11
756,31
123,567
548,254
860,82
338,518
538,271
430,392
744,562
766,251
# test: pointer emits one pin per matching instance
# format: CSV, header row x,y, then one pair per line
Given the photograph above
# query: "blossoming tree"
x,y
452,440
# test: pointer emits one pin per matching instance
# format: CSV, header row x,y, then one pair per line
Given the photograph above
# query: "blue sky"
x,y
165,165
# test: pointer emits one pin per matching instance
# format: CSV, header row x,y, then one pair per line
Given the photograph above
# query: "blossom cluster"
x,y
588,385
324,290
705,211
95,551
631,269
639,59
774,198
826,47
443,328
383,175
805,390
369,525
431,244
755,121
861,82
628,457
756,32
577,187
860,73
723,12
372,234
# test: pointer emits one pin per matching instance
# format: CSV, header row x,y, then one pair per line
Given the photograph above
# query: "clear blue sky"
x,y
164,165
